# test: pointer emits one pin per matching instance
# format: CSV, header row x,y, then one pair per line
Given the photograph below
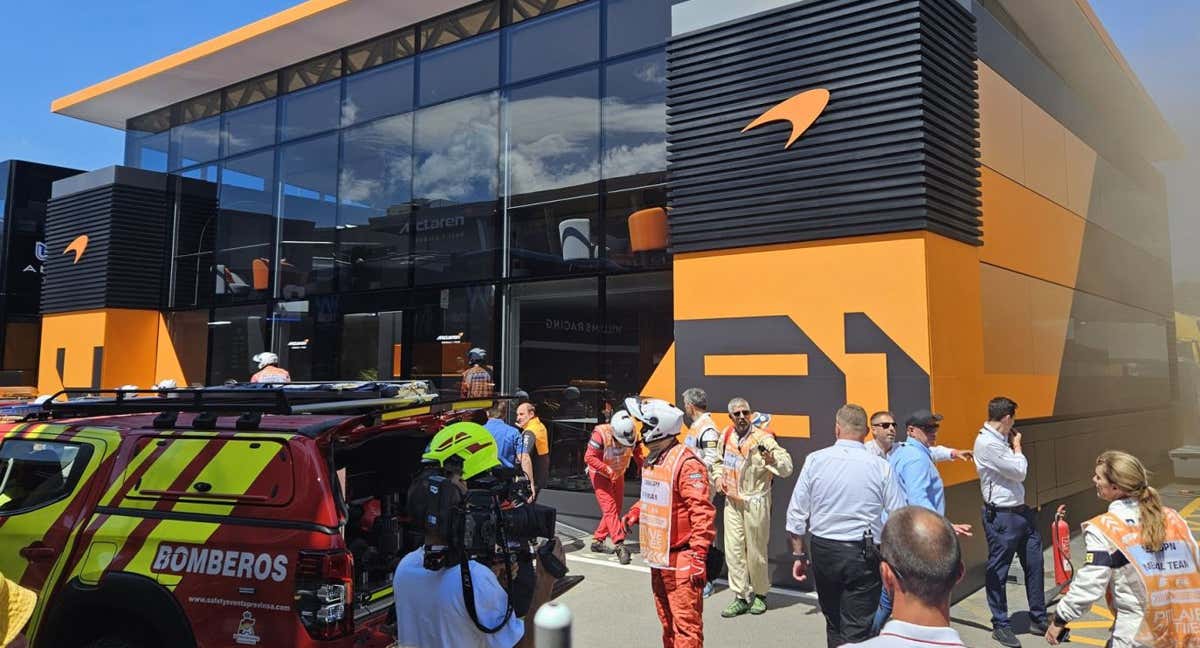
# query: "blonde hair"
x,y
1127,473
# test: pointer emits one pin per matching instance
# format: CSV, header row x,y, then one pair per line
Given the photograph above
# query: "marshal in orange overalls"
x,y
677,529
607,461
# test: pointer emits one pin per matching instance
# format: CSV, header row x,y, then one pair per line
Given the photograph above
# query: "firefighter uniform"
x,y
745,478
705,440
606,462
677,530
1141,587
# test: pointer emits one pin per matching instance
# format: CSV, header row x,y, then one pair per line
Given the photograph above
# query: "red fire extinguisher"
x,y
1060,535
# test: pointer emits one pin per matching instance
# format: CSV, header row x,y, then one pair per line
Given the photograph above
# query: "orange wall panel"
x,y
1044,141
1000,142
1025,232
130,348
78,333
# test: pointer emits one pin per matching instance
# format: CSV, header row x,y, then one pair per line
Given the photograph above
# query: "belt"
x,y
1010,509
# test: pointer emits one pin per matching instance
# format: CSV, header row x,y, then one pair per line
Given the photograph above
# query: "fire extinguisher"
x,y
1060,535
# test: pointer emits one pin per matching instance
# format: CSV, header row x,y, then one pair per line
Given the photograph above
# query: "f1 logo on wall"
x,y
800,111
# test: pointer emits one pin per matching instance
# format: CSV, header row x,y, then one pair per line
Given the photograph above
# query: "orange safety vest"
x,y
735,459
658,489
616,456
271,374
1170,576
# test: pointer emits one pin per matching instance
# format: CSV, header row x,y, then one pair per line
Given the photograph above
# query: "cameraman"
x,y
430,586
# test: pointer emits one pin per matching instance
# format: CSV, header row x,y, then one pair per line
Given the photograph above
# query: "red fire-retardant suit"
x,y
607,461
678,583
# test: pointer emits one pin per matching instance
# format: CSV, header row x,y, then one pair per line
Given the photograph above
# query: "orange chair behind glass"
x,y
648,230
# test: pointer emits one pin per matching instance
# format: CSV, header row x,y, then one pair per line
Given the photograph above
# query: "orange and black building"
x,y
899,203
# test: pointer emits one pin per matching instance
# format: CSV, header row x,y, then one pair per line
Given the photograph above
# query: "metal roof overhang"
x,y
1077,46
309,29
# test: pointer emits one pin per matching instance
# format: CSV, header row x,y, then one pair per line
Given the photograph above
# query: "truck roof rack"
x,y
241,400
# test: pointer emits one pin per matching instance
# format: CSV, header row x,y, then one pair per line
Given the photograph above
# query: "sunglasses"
x,y
887,424
741,414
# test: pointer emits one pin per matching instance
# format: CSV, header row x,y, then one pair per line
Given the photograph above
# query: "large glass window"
x,y
635,121
371,345
379,92
250,128
310,111
446,324
375,193
455,180
554,42
635,222
635,24
195,237
639,326
237,335
148,151
460,69
556,358
246,227
188,332
308,212
197,142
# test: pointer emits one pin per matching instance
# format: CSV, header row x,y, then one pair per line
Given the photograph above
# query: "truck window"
x,y
36,473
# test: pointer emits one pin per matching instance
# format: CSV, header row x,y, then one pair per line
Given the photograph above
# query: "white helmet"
x,y
760,420
167,383
659,418
265,358
622,427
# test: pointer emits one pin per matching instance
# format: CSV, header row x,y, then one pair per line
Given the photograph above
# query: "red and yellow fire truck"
x,y
215,517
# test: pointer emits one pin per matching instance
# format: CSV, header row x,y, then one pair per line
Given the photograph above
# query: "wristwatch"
x,y
800,556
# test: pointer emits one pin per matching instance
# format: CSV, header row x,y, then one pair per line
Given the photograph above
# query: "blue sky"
x,y
54,47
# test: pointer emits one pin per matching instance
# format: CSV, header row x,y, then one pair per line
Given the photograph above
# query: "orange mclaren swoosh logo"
x,y
801,111
77,246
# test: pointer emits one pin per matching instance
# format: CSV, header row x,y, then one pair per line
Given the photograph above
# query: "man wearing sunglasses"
x,y
913,464
751,459
883,441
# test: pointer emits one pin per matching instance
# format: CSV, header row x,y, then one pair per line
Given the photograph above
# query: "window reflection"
x,y
386,90
237,334
635,122
196,142
460,69
553,133
446,324
311,111
145,151
375,193
308,207
555,42
636,228
635,24
246,227
250,128
639,328
456,154
195,236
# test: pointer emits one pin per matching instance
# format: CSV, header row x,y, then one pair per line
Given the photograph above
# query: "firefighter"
x,y
677,529
751,459
608,454
1140,554
269,370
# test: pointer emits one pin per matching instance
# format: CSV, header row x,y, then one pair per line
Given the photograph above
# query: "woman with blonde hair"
x,y
1141,557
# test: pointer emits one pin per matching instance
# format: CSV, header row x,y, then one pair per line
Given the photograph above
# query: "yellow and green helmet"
x,y
468,441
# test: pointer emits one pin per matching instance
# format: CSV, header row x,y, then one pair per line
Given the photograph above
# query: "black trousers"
x,y
1009,533
848,587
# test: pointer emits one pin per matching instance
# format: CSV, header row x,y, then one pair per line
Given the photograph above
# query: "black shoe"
x,y
1038,628
600,547
1005,637
622,554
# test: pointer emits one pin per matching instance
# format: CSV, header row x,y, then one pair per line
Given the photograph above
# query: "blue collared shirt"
x,y
912,463
508,441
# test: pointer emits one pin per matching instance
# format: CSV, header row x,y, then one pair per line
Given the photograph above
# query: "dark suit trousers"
x,y
848,587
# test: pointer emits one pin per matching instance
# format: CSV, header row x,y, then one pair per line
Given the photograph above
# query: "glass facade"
x,y
464,182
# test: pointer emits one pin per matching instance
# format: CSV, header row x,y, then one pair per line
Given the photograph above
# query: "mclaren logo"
x,y
78,246
800,111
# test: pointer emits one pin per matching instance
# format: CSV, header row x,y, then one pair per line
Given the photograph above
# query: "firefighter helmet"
x,y
470,442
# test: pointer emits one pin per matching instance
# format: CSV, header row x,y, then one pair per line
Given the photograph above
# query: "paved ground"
x,y
613,606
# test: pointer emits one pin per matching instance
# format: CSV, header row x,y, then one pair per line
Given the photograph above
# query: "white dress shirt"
x,y
842,491
1092,581
940,453
899,634
1001,470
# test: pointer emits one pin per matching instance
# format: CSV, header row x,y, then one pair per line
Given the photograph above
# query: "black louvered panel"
x,y
123,262
895,149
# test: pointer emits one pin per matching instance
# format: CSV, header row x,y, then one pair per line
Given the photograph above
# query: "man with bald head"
x,y
922,563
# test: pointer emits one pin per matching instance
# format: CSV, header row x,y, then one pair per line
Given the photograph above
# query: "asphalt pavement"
x,y
614,607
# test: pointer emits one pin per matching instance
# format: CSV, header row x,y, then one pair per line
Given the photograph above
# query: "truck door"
x,y
45,477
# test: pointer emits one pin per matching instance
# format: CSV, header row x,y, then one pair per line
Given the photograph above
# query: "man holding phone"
x,y
751,459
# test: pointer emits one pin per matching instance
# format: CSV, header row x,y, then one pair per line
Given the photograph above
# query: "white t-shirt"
x,y
430,612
